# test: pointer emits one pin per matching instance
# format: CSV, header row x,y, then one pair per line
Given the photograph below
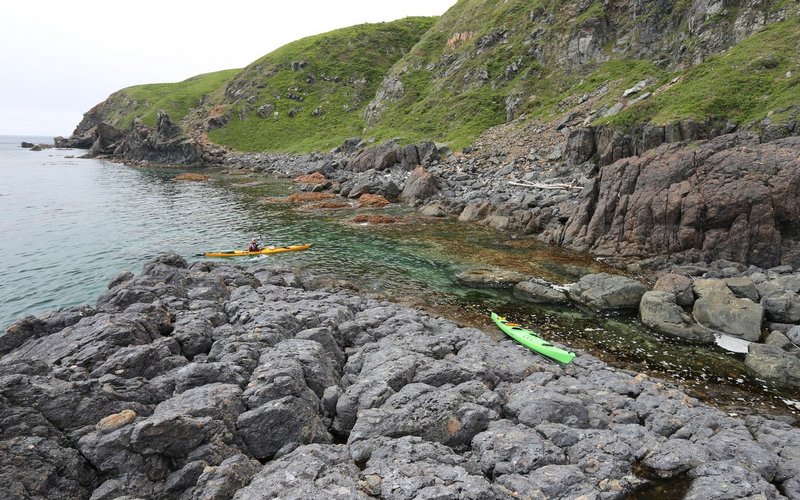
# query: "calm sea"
x,y
70,225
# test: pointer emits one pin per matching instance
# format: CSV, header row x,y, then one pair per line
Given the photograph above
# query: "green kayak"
x,y
532,341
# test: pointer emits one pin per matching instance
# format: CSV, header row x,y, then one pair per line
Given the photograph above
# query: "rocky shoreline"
x,y
212,381
697,202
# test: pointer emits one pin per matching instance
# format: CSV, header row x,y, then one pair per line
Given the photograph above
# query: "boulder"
x,y
679,285
531,291
486,277
420,185
773,363
743,287
794,335
782,306
607,291
720,310
660,311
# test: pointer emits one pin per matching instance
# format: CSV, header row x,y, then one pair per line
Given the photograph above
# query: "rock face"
x,y
164,144
210,381
726,199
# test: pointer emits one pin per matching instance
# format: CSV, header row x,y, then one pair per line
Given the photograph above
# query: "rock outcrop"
x,y
164,144
728,198
211,381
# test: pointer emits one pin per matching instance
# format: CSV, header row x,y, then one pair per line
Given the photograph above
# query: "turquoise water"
x,y
71,225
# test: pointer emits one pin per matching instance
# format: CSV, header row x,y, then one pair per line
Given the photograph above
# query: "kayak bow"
x,y
532,341
263,251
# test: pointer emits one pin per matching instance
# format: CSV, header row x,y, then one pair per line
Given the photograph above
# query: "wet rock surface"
x,y
211,381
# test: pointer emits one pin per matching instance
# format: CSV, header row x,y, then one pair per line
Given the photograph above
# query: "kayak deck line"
x,y
532,340
263,251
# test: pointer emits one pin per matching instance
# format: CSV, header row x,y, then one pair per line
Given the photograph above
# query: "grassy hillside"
x,y
144,101
487,61
310,94
757,78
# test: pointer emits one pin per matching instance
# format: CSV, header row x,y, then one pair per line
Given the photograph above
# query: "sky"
x,y
60,58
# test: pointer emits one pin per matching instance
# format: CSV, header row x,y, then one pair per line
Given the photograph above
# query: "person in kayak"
x,y
253,246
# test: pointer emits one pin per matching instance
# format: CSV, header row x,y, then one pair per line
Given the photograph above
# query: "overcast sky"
x,y
59,58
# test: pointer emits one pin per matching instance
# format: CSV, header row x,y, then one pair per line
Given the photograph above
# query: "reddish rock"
x,y
729,198
315,178
372,200
677,284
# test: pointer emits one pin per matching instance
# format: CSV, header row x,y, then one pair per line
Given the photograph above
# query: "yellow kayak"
x,y
263,251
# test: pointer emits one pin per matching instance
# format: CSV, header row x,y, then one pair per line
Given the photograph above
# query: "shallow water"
x,y
71,225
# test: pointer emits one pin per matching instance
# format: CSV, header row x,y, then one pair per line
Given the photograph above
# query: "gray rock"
x,y
290,420
505,448
368,393
451,416
420,185
560,481
794,335
782,306
743,287
720,310
486,277
549,406
674,457
36,466
677,284
607,291
727,480
312,471
180,424
773,363
410,468
530,291
200,374
777,339
221,482
659,311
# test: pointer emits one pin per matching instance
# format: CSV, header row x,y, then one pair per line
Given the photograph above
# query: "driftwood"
x,y
546,186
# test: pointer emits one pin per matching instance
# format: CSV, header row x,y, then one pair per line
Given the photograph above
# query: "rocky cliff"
x,y
211,381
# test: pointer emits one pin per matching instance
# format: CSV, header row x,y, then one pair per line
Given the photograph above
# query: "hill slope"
x,y
142,102
486,62
310,94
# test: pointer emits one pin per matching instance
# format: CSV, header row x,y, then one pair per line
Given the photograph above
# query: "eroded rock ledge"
x,y
211,381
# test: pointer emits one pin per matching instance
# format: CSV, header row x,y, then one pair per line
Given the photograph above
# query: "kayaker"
x,y
253,246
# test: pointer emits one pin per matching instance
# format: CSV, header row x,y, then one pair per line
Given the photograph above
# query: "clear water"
x,y
70,225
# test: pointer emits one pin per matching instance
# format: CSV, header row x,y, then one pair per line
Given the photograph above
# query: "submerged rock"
x,y
487,277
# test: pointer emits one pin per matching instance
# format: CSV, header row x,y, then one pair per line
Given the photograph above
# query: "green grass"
x,y
144,101
445,97
347,66
744,84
